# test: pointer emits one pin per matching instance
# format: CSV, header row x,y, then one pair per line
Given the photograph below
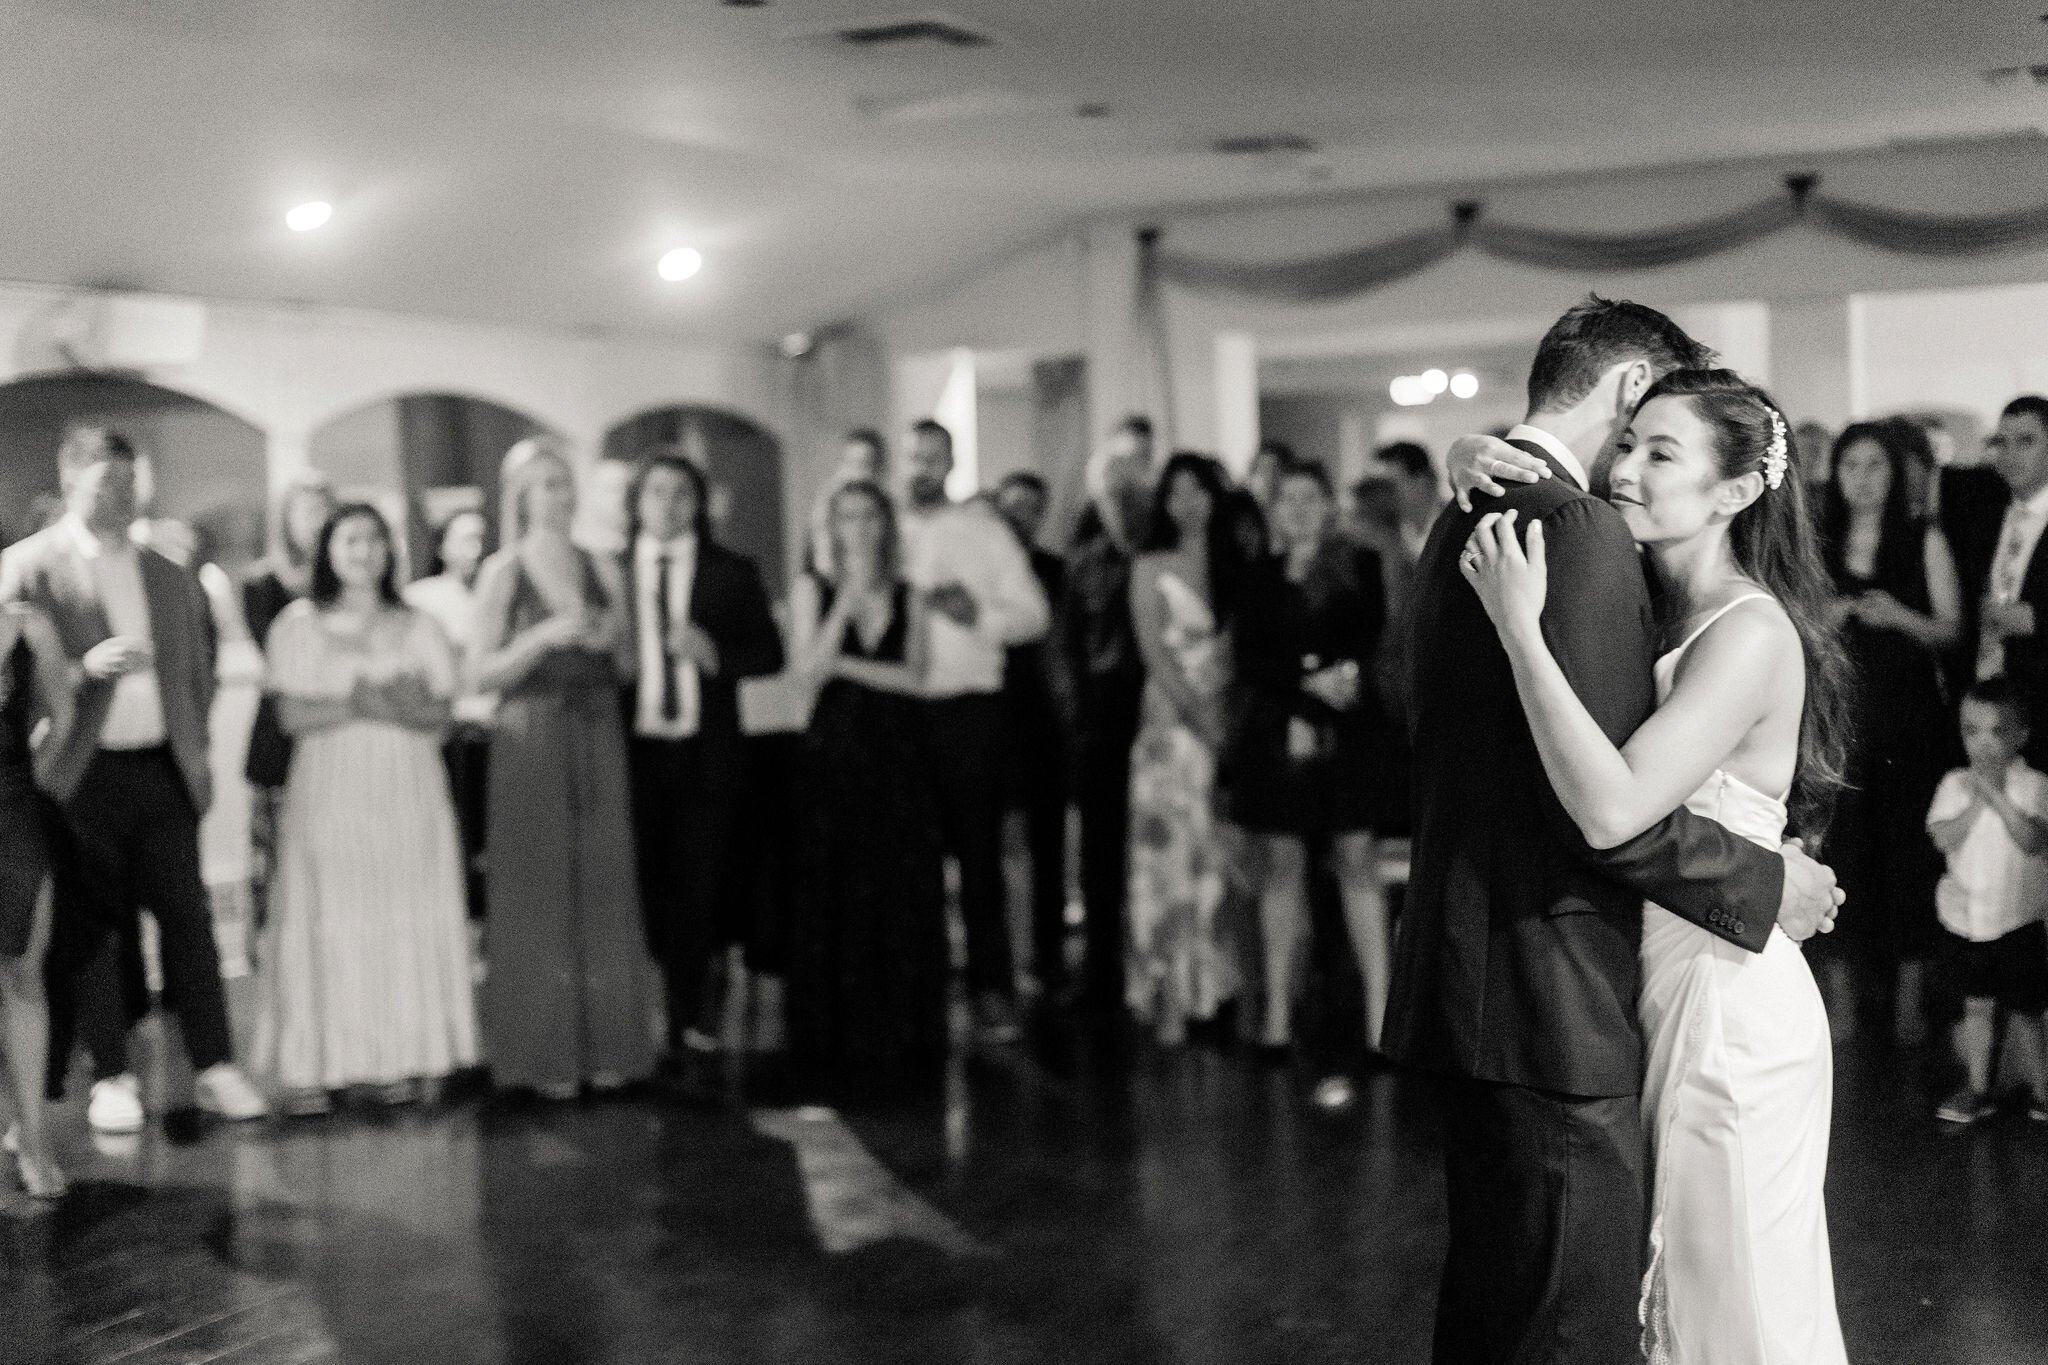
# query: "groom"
x,y
1515,974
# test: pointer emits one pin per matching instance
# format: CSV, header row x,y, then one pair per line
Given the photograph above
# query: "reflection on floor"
x,y
1058,1206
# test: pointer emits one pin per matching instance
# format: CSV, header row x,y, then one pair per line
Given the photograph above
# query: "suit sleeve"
x,y
2026,656
755,650
208,681
1371,622
1596,622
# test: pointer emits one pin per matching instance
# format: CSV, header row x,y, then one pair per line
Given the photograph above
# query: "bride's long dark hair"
x,y
1774,541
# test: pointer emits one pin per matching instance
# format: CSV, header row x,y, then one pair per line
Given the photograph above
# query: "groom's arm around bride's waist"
x,y
1598,624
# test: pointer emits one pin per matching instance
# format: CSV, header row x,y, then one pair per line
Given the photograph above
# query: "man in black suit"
x,y
1094,651
1516,967
700,624
1037,740
2012,635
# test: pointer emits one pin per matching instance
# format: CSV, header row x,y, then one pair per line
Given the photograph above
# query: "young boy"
x,y
1990,820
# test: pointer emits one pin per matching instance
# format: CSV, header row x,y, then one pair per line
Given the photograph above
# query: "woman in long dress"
x,y
366,962
1900,610
1748,730
566,993
1179,968
867,993
34,685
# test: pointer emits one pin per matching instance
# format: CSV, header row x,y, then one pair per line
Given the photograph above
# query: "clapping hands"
x,y
401,700
954,602
1336,686
117,656
1880,609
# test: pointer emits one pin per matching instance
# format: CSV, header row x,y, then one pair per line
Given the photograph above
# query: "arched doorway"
x,y
206,465
421,457
742,462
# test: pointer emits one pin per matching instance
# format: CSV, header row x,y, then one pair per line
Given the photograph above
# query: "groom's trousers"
x,y
1547,1228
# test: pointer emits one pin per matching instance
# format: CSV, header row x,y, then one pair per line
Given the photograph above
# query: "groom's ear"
x,y
1636,379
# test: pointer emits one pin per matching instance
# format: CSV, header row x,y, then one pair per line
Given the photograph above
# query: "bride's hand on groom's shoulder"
x,y
1512,582
1477,464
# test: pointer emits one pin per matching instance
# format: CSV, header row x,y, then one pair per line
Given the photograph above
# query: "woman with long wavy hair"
x,y
1749,731
1181,585
1899,609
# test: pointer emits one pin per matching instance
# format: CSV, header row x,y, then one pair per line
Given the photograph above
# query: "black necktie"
x,y
671,698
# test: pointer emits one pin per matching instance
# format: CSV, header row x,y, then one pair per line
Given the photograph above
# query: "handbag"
x,y
270,749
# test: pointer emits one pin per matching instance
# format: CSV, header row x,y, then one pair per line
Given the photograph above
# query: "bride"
x,y
1747,732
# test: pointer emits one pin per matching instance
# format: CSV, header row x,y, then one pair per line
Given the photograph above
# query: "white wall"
x,y
1973,349
290,370
1775,304
1003,428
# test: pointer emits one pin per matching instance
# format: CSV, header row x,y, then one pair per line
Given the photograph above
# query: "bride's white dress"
x,y
1736,1102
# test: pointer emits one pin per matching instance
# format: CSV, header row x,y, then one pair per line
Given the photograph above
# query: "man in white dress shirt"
x,y
983,599
131,780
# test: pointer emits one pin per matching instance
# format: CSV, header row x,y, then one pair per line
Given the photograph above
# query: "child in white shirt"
x,y
1990,819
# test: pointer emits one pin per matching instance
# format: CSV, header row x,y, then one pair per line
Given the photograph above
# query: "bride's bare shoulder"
x,y
1754,635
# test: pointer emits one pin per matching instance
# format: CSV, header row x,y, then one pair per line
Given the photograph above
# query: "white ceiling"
x,y
528,160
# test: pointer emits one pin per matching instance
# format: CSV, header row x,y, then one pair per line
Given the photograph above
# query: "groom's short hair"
x,y
1595,336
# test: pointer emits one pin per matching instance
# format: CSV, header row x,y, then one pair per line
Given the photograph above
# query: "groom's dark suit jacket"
x,y
1516,961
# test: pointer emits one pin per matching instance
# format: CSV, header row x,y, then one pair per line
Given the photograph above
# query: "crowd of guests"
x,y
1940,839
515,813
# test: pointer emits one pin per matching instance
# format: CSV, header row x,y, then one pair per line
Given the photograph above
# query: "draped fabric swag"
x,y
1355,271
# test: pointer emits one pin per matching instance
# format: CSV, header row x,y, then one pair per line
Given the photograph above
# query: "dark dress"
x,y
264,598
868,976
1904,740
24,854
1283,632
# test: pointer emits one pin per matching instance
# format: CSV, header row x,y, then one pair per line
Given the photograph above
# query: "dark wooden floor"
x,y
1188,1208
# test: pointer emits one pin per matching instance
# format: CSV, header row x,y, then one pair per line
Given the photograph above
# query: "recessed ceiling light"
x,y
796,345
1464,384
308,216
1409,391
1436,381
681,263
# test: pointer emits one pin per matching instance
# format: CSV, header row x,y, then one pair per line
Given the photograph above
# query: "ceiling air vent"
x,y
1265,144
941,30
2013,75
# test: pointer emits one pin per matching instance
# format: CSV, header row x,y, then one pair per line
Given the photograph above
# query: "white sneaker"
x,y
116,1105
222,1089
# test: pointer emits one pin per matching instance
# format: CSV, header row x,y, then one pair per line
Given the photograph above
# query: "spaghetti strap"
x,y
1704,626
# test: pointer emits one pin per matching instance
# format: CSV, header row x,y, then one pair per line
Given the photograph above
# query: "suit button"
x,y
1739,927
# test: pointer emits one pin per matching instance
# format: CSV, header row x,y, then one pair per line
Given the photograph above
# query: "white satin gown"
x,y
1736,1104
